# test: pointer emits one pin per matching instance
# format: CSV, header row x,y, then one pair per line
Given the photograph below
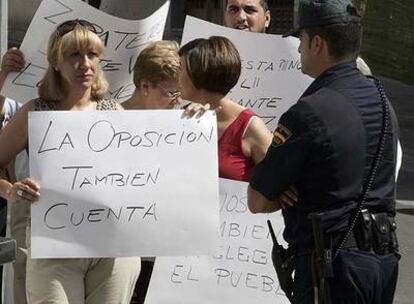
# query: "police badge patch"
x,y
281,135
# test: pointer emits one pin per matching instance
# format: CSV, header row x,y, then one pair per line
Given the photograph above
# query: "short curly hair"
x,y
158,62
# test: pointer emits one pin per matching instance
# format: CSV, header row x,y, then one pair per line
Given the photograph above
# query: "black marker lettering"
x,y
45,218
67,11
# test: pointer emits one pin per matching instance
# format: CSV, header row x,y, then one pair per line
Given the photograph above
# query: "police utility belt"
x,y
373,232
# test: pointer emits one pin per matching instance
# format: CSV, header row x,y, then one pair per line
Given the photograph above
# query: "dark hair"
x,y
343,40
212,64
263,4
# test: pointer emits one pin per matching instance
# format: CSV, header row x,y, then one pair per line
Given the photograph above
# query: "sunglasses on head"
x,y
70,25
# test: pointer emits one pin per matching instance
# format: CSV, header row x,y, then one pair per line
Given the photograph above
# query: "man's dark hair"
x,y
263,3
212,64
343,40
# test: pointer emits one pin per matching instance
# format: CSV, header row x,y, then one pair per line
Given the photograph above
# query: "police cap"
x,y
315,13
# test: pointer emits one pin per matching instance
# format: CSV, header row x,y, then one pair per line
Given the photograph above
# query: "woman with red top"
x,y
210,68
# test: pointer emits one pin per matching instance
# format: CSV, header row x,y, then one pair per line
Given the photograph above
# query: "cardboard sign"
x,y
128,183
124,39
239,270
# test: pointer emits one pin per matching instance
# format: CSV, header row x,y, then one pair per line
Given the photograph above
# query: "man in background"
x,y
247,15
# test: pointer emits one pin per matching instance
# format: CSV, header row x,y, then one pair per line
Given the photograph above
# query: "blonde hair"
x,y
80,38
159,61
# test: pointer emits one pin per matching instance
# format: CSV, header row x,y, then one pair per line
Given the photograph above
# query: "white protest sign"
x,y
240,270
133,183
271,80
123,38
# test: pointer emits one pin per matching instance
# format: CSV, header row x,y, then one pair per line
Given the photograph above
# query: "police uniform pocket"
x,y
394,247
381,232
363,231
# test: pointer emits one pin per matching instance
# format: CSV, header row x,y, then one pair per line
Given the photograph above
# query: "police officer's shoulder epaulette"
x,y
292,123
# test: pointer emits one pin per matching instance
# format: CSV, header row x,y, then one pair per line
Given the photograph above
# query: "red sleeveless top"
x,y
233,164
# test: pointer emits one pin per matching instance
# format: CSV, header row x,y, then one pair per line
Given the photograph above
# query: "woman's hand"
x,y
25,190
198,109
13,61
195,108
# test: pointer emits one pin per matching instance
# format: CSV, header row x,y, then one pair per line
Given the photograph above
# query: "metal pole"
x,y
3,26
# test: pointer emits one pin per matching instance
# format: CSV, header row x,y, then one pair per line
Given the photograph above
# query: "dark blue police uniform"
x,y
324,146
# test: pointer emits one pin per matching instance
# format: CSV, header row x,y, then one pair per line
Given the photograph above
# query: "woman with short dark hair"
x,y
210,68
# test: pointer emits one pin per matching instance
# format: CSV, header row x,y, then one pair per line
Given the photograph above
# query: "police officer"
x,y
327,146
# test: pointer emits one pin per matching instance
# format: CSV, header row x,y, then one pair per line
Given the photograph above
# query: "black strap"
x,y
374,167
